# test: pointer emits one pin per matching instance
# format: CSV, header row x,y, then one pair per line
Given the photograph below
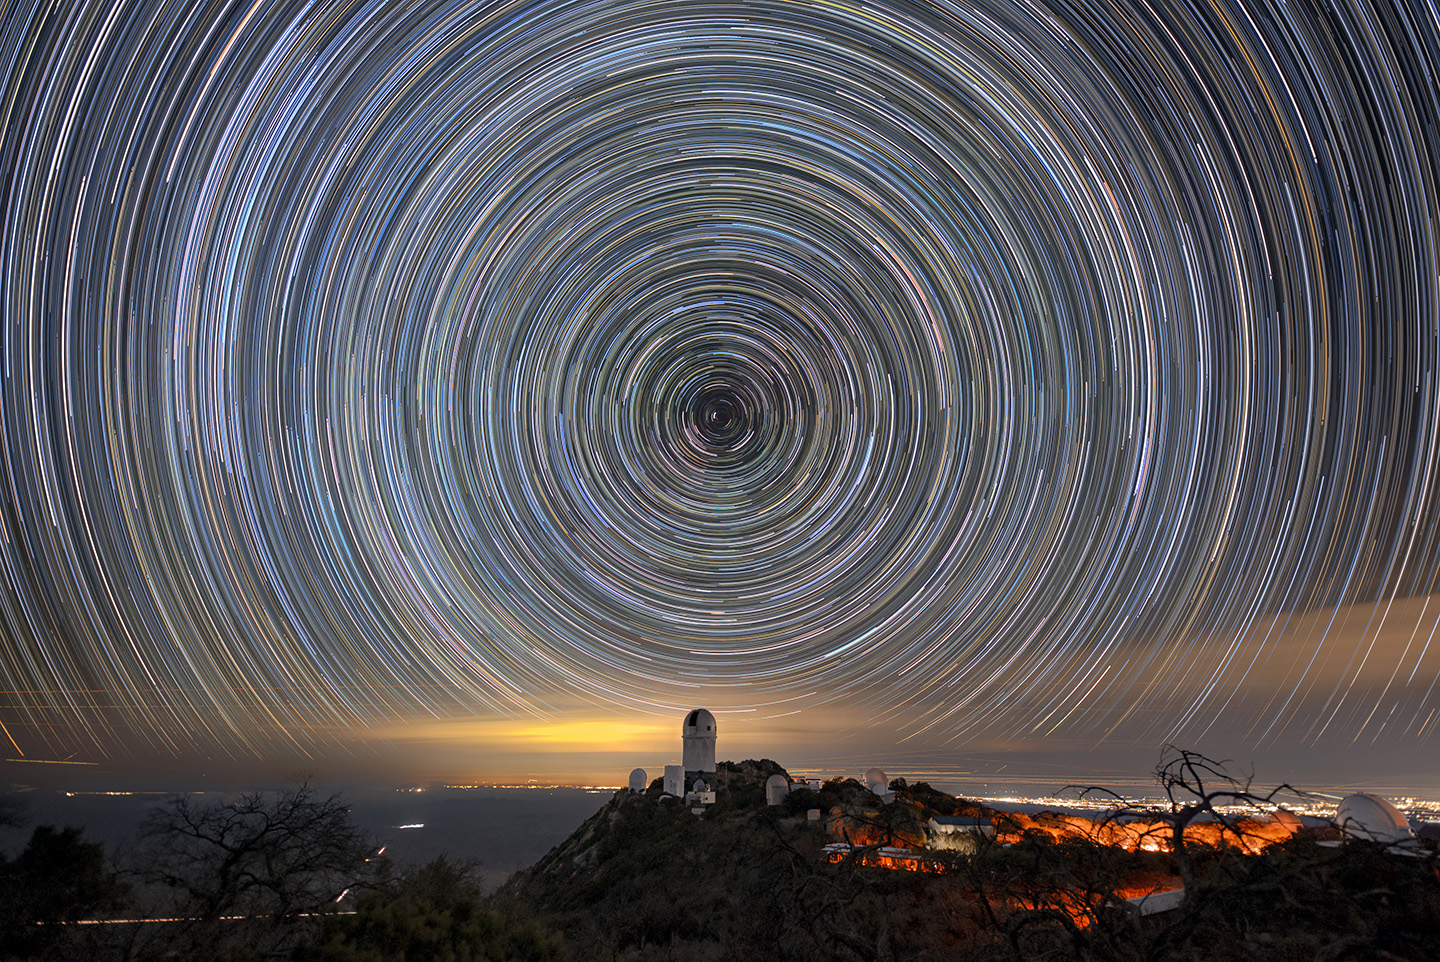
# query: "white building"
x,y
697,736
777,786
879,784
1372,818
675,780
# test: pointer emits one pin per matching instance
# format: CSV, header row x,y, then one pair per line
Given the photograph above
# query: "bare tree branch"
x,y
268,857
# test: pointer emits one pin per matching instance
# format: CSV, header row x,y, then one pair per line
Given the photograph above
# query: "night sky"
x,y
481,385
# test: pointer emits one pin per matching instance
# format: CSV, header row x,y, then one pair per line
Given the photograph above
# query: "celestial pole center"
x,y
994,367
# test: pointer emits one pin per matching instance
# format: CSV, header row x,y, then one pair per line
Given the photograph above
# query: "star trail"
x,y
1001,368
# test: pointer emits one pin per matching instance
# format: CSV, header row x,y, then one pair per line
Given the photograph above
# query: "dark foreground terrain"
x,y
645,879
262,876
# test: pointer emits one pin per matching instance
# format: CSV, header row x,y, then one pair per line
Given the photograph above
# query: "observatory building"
x,y
1372,818
697,736
776,788
694,778
879,784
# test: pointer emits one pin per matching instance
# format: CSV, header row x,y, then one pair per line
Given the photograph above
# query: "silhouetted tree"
x,y
1195,787
57,878
240,872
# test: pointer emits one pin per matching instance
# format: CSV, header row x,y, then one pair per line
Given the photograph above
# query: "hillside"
x,y
645,879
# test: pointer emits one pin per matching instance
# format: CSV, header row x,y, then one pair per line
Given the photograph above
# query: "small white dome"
x,y
638,782
777,786
698,722
1371,817
877,781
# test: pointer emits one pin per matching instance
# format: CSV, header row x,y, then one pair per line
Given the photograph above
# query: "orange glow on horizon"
x,y
540,736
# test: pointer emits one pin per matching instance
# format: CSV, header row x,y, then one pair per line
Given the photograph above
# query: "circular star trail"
x,y
982,366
